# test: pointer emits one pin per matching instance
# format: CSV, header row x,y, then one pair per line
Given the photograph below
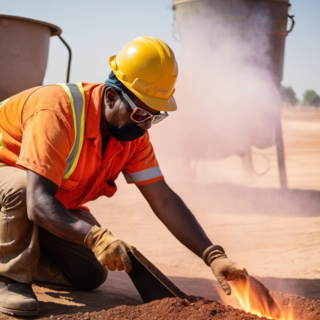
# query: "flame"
x,y
255,298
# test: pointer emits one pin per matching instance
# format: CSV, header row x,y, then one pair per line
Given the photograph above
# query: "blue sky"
x,y
97,29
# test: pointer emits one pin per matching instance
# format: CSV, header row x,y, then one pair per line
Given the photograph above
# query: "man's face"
x,y
117,114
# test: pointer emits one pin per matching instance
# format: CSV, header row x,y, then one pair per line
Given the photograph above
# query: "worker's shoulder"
x,y
61,89
33,99
56,98
57,94
48,94
50,97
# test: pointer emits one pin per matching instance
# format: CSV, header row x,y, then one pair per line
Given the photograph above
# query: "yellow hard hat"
x,y
148,68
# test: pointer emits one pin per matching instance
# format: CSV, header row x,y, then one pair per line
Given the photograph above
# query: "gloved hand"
x,y
223,268
109,251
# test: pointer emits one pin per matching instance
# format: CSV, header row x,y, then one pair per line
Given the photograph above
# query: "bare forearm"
x,y
52,215
180,221
48,212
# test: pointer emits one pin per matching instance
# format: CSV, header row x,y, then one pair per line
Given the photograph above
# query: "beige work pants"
x,y
29,253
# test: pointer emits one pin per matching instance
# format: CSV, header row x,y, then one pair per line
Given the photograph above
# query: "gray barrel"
x,y
246,19
24,47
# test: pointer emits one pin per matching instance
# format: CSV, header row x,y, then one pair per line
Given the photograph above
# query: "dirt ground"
x,y
171,308
273,233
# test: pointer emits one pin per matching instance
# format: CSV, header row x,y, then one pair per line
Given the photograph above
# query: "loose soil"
x,y
174,308
302,308
168,309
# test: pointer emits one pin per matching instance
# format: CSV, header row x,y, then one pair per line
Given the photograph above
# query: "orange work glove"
x,y
109,251
223,268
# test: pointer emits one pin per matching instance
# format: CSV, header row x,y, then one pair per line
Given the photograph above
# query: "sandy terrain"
x,y
274,234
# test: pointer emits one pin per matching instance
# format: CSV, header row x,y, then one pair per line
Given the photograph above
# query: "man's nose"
x,y
145,125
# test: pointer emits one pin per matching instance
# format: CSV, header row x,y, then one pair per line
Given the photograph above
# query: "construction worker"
x,y
64,145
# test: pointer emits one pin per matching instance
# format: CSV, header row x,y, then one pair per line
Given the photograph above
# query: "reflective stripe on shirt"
x,y
143,175
2,145
3,102
75,93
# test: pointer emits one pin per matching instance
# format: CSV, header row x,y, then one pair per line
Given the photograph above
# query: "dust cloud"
x,y
225,90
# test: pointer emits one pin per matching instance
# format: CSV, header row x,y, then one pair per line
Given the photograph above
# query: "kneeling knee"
x,y
14,196
94,279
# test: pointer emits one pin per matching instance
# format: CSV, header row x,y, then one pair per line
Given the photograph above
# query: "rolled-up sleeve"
x,y
143,168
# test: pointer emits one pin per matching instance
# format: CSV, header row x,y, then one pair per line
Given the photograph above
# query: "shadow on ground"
x,y
119,290
292,202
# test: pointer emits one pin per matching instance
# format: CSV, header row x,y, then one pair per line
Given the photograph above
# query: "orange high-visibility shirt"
x,y
38,133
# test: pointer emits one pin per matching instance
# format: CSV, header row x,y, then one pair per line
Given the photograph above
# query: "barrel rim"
x,y
55,30
176,2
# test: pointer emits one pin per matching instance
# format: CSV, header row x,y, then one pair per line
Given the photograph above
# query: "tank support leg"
x,y
280,151
69,60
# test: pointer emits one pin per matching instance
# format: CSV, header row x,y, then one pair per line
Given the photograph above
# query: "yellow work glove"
x,y
109,250
223,268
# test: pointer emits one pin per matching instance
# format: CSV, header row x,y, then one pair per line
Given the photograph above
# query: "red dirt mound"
x,y
167,309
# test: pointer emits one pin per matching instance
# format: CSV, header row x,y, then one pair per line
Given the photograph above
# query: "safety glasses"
x,y
140,115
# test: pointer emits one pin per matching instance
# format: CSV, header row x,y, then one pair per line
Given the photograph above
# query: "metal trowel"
x,y
149,281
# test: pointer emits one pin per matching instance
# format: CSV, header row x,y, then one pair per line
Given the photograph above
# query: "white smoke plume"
x,y
225,91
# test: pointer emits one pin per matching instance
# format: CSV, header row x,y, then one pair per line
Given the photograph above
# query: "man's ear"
x,y
110,97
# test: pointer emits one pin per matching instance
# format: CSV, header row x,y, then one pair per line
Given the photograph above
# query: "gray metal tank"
x,y
260,25
245,19
24,47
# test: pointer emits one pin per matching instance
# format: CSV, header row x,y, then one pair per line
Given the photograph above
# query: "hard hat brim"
x,y
155,103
